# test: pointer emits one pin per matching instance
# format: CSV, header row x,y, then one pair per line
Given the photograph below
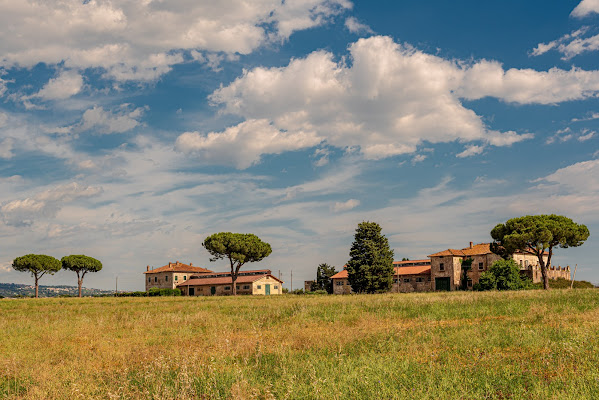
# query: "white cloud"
x,y
470,151
355,26
6,147
590,117
3,119
346,205
418,158
322,156
586,136
585,8
6,267
101,121
44,204
67,84
141,40
570,45
244,144
386,101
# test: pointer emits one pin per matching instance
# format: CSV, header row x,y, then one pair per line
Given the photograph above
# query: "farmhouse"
x,y
258,282
170,275
446,266
443,270
408,276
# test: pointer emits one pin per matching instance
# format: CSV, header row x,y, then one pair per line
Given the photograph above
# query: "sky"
x,y
132,130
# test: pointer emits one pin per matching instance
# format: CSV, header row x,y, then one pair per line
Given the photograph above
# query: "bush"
x,y
298,291
132,294
164,292
503,275
319,292
561,283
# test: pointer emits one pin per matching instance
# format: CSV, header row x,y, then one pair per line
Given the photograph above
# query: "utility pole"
x,y
116,290
292,280
573,276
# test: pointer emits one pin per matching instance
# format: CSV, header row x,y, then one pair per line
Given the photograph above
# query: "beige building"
x,y
170,275
446,266
258,282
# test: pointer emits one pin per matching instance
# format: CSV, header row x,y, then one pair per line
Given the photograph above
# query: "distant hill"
x,y
22,290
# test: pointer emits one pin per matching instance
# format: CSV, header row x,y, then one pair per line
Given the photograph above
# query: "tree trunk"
x,y
234,288
544,267
80,281
36,285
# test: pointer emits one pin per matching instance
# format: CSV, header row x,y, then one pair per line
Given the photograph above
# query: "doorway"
x,y
267,290
442,284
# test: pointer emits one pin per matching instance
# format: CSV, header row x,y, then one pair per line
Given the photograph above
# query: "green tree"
x,y
238,248
323,278
538,234
38,265
81,265
370,268
502,275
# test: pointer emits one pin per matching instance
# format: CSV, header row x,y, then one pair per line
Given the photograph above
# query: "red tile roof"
x,y
413,270
412,262
475,250
397,270
196,281
178,267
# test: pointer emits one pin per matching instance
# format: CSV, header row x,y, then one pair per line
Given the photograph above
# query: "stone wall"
x,y
411,283
341,286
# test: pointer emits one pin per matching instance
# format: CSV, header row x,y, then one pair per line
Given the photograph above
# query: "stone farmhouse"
x,y
408,276
197,281
443,270
170,275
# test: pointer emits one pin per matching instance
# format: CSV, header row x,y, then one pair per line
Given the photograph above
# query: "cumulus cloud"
x,y
65,85
355,26
346,205
24,212
570,45
6,147
470,151
385,101
101,121
252,138
141,40
585,7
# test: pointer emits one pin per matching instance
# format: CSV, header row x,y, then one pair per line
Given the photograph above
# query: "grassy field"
x,y
520,345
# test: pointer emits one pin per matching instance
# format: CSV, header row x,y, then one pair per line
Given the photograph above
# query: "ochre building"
x,y
258,282
170,275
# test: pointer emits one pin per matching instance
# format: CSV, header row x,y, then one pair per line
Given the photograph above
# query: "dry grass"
x,y
447,345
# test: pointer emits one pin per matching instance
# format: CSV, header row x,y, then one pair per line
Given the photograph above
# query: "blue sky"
x,y
130,131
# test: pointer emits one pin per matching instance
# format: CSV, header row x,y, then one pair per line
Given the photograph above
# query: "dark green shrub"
x,y
503,275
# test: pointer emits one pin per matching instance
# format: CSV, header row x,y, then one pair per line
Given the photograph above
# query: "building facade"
x,y
170,275
258,282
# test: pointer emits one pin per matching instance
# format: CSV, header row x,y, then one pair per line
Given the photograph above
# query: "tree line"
x,y
39,265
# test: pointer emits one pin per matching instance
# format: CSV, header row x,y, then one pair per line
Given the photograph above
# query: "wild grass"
x,y
516,345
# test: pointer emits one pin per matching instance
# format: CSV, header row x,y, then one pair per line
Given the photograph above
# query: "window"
x,y
469,283
258,287
246,287
480,266
406,280
237,287
166,278
526,263
419,279
149,279
155,279
520,262
184,277
227,287
176,277
441,267
339,283
395,280
275,287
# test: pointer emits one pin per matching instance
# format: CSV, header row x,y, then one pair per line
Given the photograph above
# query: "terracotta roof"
x,y
178,267
225,280
475,250
412,262
413,270
397,270
340,275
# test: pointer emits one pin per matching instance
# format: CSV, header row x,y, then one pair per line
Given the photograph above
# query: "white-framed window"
x,y
441,267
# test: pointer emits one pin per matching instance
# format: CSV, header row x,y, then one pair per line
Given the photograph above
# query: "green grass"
x,y
516,345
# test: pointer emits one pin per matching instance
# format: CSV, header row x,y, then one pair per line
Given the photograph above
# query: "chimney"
x,y
148,268
470,244
191,264
177,263
170,264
